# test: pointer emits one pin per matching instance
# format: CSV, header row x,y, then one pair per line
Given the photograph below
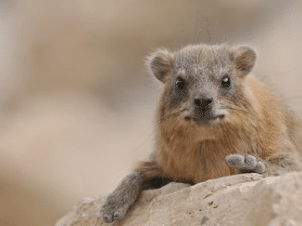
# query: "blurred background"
x,y
77,104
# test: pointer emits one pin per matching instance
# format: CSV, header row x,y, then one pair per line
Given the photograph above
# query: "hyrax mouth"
x,y
203,118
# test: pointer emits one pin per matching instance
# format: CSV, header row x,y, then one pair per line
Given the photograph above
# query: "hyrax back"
x,y
214,119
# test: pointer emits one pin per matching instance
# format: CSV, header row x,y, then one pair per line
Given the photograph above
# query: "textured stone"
x,y
246,199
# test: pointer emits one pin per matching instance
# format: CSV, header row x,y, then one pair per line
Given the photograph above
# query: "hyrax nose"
x,y
203,102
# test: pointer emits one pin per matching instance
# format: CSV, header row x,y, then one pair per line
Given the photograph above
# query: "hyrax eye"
x,y
180,83
226,81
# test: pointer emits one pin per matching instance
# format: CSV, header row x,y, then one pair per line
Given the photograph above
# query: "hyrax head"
x,y
203,84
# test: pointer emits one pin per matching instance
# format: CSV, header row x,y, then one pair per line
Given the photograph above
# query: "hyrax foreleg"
x,y
147,175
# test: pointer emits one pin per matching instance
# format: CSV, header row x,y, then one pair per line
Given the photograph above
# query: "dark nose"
x,y
202,102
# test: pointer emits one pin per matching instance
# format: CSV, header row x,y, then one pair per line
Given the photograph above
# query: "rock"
x,y
246,199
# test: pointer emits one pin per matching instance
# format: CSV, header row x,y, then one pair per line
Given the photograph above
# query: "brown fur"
x,y
255,122
263,131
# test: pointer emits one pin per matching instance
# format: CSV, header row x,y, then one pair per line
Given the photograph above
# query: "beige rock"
x,y
246,199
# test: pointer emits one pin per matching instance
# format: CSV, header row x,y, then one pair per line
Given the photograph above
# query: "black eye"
x,y
180,83
226,81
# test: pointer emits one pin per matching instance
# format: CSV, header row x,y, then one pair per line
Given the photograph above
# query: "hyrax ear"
x,y
161,64
244,59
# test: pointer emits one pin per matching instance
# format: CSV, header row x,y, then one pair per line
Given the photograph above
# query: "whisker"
x,y
161,121
171,115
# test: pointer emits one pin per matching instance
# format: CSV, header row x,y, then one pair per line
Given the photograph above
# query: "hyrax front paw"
x,y
124,196
113,210
246,163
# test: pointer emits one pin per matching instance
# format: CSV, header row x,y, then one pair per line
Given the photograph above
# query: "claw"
x,y
250,162
245,164
235,160
106,218
260,168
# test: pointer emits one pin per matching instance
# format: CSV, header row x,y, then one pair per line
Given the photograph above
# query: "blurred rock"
x,y
77,105
279,47
245,200
100,46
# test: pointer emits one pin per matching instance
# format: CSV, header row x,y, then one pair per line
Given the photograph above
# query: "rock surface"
x,y
246,199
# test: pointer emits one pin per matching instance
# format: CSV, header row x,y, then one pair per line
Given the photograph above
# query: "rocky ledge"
x,y
246,199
